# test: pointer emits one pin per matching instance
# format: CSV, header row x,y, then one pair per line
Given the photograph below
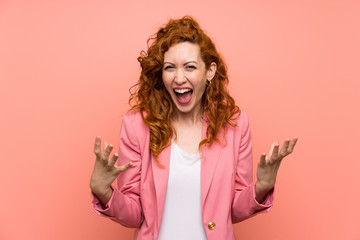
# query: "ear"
x,y
211,71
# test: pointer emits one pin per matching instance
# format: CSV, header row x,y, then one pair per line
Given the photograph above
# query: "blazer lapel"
x,y
161,176
209,160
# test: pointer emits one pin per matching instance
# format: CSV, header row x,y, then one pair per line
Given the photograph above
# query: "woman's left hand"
x,y
269,165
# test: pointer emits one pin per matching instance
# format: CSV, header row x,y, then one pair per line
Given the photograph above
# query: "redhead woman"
x,y
184,166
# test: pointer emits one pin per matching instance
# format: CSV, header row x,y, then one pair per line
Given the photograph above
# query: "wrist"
x,y
104,195
101,190
262,187
261,191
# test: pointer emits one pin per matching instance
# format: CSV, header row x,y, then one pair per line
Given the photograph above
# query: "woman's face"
x,y
184,75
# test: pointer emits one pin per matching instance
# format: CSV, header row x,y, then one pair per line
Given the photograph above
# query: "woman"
x,y
185,151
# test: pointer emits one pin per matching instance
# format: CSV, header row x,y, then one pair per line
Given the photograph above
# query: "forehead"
x,y
184,51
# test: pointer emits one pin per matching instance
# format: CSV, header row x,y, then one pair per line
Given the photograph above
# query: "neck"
x,y
190,118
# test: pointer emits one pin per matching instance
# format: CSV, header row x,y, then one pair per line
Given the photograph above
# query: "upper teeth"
x,y
182,90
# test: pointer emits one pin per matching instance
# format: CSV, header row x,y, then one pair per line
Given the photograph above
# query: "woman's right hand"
x,y
105,171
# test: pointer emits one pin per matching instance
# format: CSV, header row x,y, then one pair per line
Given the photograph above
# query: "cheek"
x,y
167,83
201,84
202,90
165,79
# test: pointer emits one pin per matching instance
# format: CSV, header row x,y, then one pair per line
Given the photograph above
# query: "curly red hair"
x,y
153,100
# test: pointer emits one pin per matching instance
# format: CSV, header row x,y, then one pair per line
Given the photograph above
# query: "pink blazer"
x,y
227,187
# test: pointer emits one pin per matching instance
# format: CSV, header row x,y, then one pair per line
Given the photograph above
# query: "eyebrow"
x,y
184,63
191,62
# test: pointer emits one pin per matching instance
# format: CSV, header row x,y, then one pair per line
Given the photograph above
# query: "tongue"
x,y
184,97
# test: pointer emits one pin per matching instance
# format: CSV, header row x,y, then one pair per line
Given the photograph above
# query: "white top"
x,y
182,211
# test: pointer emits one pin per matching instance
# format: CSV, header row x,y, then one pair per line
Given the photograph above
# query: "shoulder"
x,y
134,120
133,116
240,132
243,117
241,121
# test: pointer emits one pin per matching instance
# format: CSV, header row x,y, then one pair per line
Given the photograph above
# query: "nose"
x,y
180,77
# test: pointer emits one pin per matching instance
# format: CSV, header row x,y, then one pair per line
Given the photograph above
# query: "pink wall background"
x,y
65,71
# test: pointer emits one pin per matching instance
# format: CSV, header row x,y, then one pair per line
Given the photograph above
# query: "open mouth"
x,y
183,95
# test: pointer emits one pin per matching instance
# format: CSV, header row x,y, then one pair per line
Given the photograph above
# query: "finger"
x,y
97,147
262,159
284,148
292,145
107,151
124,167
113,159
274,151
275,154
271,148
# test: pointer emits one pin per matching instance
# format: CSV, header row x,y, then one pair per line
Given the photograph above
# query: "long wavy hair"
x,y
153,100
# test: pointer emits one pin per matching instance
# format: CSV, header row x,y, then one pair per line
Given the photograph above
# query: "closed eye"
x,y
191,67
168,67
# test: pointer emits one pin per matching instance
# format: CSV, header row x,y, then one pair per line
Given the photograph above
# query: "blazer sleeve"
x,y
124,205
244,202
